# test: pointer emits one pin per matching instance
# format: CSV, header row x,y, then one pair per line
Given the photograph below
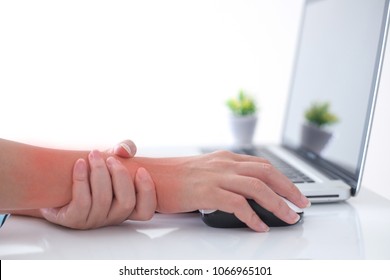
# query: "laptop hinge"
x,y
330,170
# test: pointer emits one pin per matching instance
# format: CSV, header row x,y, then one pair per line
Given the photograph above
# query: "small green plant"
x,y
319,115
242,105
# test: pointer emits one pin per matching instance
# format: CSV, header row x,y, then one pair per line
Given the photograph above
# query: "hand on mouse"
x,y
222,180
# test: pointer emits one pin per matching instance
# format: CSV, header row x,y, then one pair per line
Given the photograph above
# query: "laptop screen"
x,y
334,82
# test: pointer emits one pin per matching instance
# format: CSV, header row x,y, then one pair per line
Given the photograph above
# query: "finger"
x,y
78,209
236,204
124,193
261,168
74,214
277,181
125,149
146,196
52,215
236,157
251,187
101,189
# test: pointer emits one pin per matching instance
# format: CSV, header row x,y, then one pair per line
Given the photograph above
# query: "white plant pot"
x,y
243,129
314,138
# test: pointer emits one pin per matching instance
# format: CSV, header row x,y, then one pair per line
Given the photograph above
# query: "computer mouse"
x,y
220,219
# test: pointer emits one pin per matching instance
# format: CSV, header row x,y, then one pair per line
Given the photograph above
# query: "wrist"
x,y
167,174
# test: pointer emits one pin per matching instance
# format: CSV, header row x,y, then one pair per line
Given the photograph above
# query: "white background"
x,y
83,74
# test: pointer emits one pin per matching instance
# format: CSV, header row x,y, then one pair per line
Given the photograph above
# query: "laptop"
x,y
338,62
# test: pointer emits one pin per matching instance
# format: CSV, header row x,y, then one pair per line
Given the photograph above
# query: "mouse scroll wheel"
x,y
205,212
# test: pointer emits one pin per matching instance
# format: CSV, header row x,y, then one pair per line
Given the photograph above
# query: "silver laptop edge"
x,y
348,186
381,55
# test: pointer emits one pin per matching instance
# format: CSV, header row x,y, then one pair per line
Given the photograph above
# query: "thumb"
x,y
125,149
50,214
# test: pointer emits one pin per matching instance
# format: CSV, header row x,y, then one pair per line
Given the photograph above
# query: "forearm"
x,y
33,177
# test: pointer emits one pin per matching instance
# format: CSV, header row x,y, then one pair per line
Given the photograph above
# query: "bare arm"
x,y
105,195
33,177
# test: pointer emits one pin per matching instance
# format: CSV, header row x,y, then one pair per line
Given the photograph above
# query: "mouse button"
x,y
293,206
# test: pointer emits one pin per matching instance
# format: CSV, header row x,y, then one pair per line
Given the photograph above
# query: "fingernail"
x,y
123,146
293,216
111,161
142,174
262,227
80,168
305,201
94,155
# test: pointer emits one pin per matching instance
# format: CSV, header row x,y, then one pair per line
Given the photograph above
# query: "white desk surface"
x,y
356,229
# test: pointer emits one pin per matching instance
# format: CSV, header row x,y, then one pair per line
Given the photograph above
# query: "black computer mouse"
x,y
220,219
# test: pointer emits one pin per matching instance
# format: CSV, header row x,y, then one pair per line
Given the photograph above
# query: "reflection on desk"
x,y
348,230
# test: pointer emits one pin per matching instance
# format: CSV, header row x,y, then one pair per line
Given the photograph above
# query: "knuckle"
x,y
280,205
267,169
223,153
255,186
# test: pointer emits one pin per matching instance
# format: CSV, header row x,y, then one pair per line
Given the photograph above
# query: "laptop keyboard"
x,y
295,175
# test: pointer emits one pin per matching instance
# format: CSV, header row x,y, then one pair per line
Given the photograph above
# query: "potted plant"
x,y
315,136
243,118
